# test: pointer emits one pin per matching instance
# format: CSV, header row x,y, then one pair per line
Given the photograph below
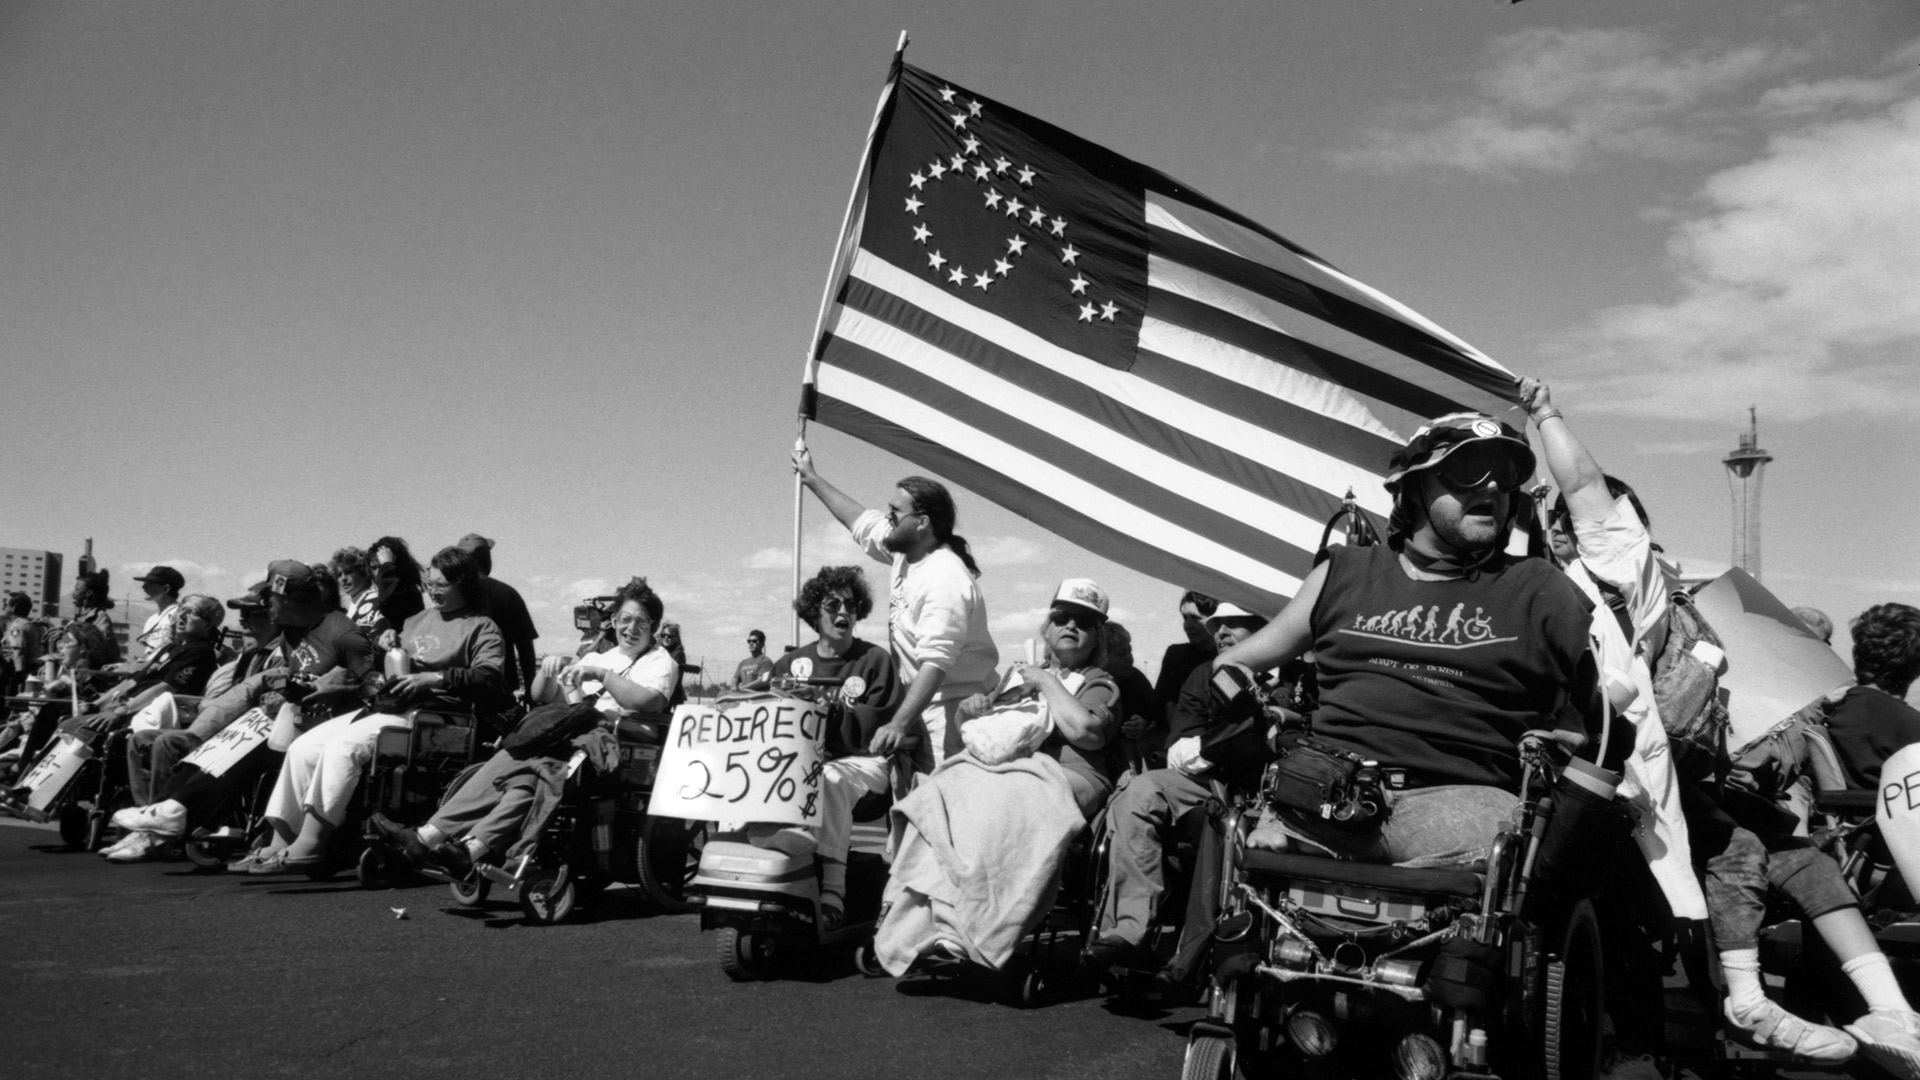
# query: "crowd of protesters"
x,y
1012,762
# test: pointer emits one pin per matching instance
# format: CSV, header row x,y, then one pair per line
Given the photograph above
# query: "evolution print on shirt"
x,y
1424,625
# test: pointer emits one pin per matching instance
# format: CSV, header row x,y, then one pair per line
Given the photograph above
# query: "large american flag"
x,y
1110,354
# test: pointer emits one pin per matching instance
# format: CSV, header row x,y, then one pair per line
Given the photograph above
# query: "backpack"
x,y
1686,687
549,730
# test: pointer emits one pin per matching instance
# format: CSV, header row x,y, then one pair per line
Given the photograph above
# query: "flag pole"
x,y
836,273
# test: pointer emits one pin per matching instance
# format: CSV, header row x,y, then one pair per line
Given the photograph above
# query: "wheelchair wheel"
x,y
745,955
666,855
205,857
76,830
1209,1057
548,896
867,963
471,892
375,869
1574,994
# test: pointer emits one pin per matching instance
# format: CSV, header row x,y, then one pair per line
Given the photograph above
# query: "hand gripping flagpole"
x,y
836,274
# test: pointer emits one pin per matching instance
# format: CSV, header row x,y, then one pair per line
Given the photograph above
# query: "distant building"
x,y
36,573
1746,469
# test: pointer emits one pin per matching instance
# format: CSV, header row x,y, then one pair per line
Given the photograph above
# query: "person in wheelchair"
x,y
833,601
1146,806
313,639
483,818
458,662
1037,765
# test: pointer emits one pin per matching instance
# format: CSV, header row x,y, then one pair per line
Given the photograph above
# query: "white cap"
x,y
1082,593
1224,611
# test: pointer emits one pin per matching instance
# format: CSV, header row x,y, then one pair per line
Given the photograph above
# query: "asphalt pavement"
x,y
154,970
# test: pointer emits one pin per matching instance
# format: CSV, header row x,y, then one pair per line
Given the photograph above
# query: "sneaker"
x,y
142,848
1774,1028
1631,1067
1892,1039
126,839
167,818
246,863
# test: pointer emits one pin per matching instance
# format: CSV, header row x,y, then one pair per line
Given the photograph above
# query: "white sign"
x,y
750,759
235,741
55,771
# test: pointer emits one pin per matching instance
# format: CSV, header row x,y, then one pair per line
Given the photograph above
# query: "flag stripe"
x,y
1311,484
1382,330
1232,527
1096,535
1301,355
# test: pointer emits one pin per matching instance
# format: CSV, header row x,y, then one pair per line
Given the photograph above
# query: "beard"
x,y
895,543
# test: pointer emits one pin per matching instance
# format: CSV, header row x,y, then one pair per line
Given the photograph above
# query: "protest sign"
x,y
751,759
218,754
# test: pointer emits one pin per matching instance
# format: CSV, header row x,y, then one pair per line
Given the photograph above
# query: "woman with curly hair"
x,y
396,583
833,602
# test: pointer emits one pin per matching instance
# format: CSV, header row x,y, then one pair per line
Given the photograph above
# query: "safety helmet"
x,y
1440,437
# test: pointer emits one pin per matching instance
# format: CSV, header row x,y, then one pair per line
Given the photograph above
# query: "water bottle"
x,y
398,663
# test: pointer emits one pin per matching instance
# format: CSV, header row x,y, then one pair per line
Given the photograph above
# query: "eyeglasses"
x,y
1085,620
631,622
833,605
1467,472
895,517
436,588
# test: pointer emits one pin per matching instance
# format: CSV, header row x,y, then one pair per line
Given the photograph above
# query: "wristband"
x,y
1550,414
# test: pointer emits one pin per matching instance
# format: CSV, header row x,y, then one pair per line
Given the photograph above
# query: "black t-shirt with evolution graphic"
x,y
1442,678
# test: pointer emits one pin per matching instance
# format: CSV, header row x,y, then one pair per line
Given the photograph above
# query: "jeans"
x,y
1139,818
1451,825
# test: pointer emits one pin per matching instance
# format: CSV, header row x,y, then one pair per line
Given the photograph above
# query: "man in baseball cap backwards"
x,y
323,663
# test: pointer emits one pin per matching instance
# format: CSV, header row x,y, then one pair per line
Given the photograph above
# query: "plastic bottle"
x,y
398,662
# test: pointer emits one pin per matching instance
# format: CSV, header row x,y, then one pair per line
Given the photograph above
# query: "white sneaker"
x,y
1891,1039
141,848
1768,1025
107,852
167,818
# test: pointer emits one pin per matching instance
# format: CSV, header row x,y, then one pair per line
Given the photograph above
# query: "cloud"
x,y
1678,447
1555,101
769,558
1007,551
1795,279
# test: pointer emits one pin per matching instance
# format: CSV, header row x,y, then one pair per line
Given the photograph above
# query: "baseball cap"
x,y
1224,611
292,579
254,599
473,542
164,575
1081,593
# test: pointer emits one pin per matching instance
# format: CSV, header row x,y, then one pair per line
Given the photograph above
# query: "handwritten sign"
x,y
235,741
750,759
50,777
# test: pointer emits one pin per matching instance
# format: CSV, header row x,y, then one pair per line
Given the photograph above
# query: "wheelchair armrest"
x,y
1849,803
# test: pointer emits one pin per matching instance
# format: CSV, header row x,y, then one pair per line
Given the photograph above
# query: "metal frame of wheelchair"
x,y
1309,948
407,779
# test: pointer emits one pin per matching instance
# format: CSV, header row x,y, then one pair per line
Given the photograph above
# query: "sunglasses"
x,y
1468,472
833,605
895,517
1085,620
628,622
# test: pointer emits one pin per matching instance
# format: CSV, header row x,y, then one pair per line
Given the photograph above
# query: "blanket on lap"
x,y
977,858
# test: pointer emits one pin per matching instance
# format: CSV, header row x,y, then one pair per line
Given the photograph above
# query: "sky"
x,y
280,278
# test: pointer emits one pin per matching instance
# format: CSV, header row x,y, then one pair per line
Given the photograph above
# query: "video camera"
x,y
595,614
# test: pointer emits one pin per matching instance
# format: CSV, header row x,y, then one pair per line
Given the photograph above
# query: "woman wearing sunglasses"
x,y
1016,816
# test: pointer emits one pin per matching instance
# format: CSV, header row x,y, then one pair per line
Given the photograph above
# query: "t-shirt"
x,y
509,612
1098,692
1866,727
364,610
936,616
157,632
871,692
393,613
752,670
466,646
183,666
653,669
1137,698
1442,678
1176,664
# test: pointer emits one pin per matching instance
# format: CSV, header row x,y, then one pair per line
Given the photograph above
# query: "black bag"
x,y
1325,781
549,729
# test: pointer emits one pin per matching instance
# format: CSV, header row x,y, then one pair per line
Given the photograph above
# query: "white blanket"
x,y
977,858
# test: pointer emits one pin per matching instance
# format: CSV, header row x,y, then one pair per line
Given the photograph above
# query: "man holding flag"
x,y
936,617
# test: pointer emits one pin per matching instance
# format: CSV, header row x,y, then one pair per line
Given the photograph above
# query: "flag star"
x,y
957,275
1001,267
1108,310
959,120
993,199
934,260
1068,254
913,205
958,163
973,108
1016,246
981,281
921,232
1036,215
973,144
1086,312
1079,285
1059,226
981,172
1001,165
918,181
938,169
1014,206
946,94
1026,175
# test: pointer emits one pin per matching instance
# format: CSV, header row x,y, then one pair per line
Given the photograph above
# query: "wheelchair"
x,y
79,784
1472,972
412,768
598,835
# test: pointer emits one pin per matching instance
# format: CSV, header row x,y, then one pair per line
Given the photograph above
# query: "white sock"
x,y
476,849
1741,967
1873,976
430,836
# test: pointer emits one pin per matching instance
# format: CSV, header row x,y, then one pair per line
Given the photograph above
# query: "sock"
x,y
1741,967
476,849
833,882
430,836
1873,976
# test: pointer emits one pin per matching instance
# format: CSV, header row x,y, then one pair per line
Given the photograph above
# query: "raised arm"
x,y
838,503
1287,636
1574,470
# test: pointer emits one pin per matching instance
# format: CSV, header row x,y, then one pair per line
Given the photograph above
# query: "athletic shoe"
x,y
143,849
167,818
1891,1039
126,840
1770,1026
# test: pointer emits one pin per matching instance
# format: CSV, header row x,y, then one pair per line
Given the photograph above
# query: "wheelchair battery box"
x,y
638,764
1354,903
424,742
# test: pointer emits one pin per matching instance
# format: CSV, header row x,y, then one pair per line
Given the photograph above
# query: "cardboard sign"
x,y
235,741
50,777
751,759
